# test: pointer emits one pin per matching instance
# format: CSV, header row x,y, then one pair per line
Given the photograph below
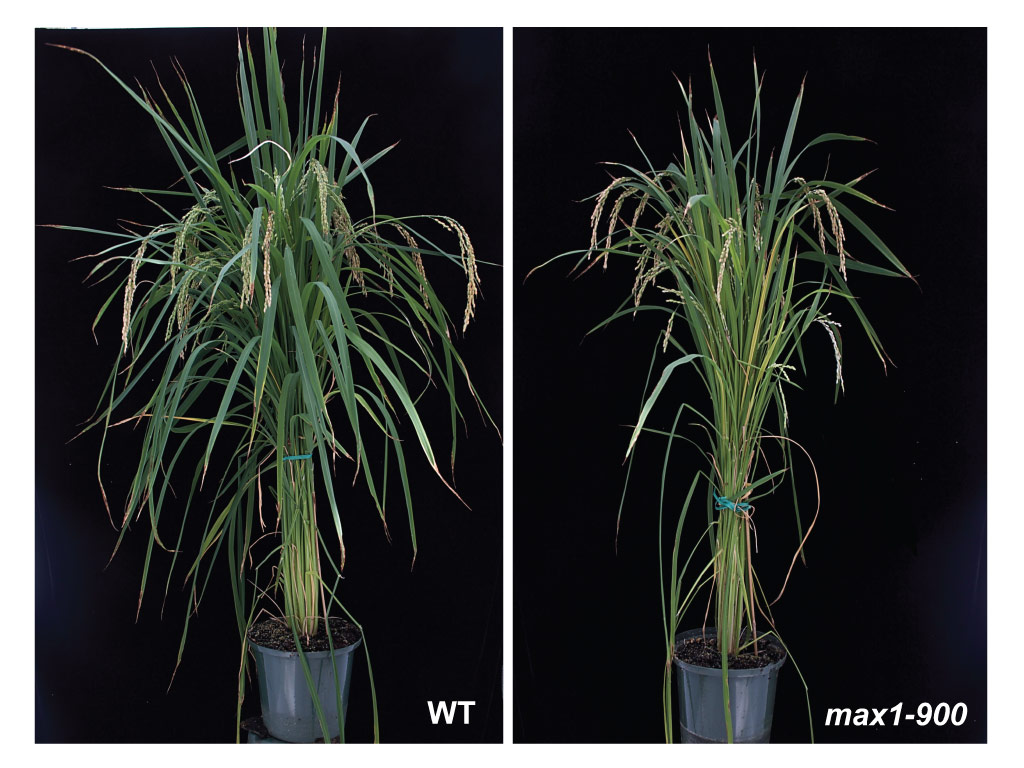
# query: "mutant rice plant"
x,y
271,332
742,257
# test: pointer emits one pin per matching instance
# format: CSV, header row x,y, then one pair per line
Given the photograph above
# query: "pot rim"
x,y
339,651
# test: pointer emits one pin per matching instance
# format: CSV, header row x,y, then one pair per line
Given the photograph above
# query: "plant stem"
x,y
299,575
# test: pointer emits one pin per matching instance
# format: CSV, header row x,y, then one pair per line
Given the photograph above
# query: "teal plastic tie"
x,y
721,502
296,458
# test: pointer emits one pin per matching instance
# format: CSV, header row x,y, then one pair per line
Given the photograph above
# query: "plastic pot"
x,y
288,710
701,709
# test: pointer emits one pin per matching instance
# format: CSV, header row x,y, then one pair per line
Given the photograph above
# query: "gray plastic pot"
x,y
701,709
288,711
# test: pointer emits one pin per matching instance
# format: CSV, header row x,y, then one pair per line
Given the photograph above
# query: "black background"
x,y
892,605
434,634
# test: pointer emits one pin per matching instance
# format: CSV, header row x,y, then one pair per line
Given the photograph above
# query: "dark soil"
x,y
704,652
276,634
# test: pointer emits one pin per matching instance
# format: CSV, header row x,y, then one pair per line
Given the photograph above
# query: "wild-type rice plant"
x,y
741,262
268,328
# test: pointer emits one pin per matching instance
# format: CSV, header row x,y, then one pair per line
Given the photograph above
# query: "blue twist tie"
x,y
721,502
296,458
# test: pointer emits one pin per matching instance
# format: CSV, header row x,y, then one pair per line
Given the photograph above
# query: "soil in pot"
x,y
704,652
277,635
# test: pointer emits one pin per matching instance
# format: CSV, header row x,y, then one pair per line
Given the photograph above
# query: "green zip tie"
x,y
721,502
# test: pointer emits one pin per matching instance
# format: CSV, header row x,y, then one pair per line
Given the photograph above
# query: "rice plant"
x,y
741,256
270,329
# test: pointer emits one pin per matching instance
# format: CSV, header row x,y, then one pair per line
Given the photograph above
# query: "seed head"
x,y
267,237
129,294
